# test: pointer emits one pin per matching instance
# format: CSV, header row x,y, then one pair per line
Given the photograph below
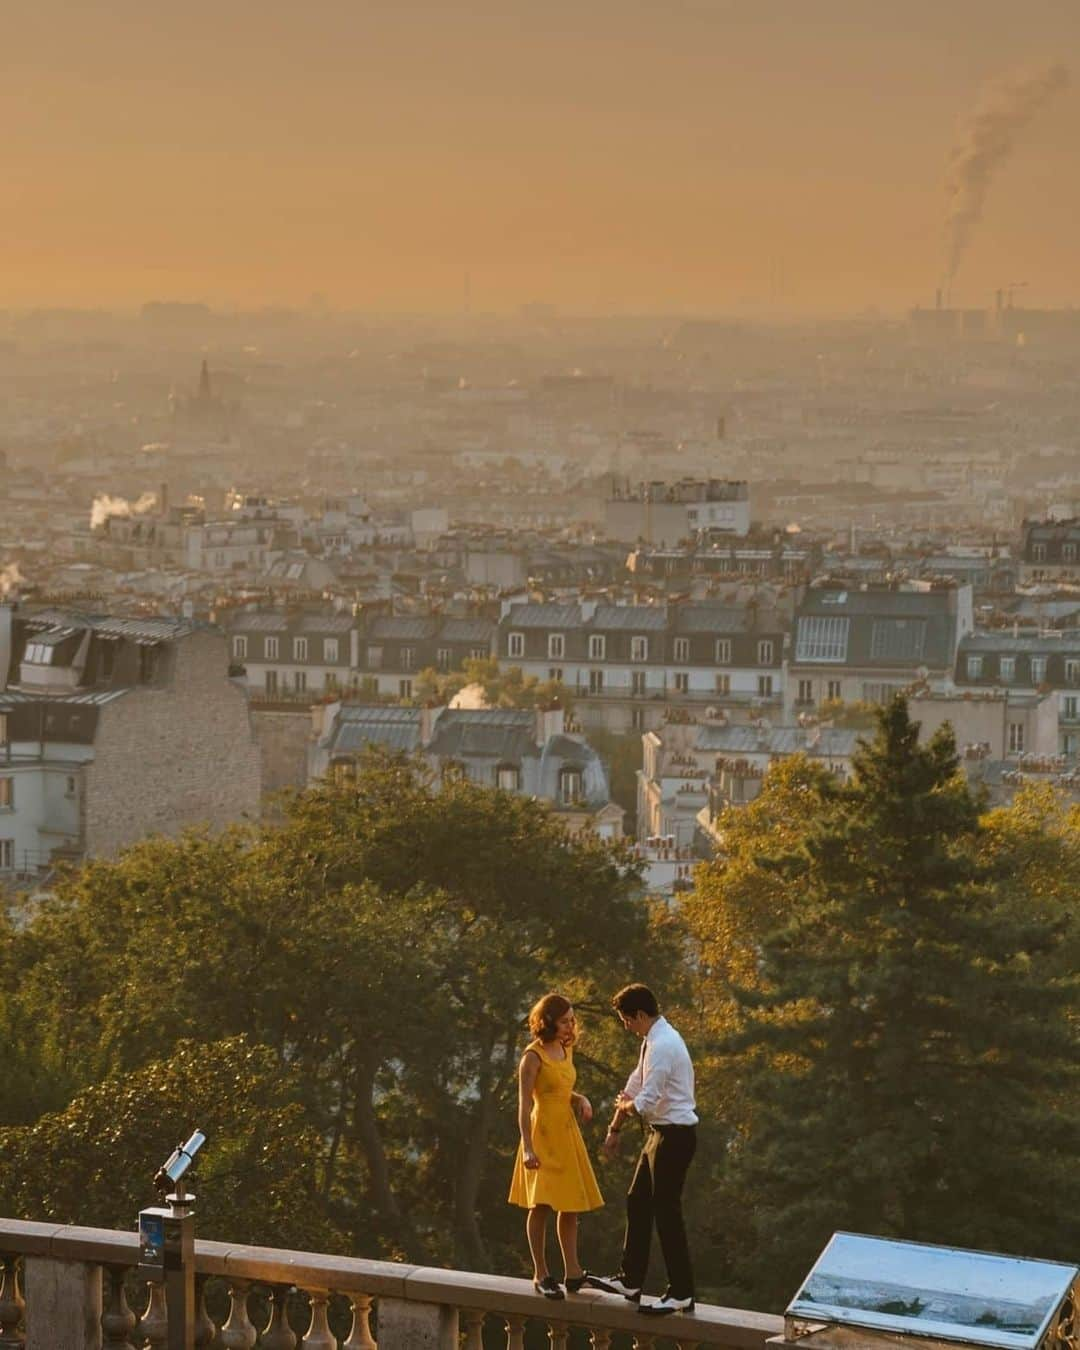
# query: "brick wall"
x,y
172,756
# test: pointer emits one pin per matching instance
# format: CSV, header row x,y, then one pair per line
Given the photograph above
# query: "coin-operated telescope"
x,y
167,1242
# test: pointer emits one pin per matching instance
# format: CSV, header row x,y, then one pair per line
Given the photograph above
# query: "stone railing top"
x,y
709,1325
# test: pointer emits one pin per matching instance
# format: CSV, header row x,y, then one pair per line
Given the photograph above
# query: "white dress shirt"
x,y
662,1085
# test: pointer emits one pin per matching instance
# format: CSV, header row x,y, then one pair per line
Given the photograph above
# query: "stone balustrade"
x,y
71,1288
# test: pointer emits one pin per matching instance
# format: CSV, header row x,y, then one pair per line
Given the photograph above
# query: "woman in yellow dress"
x,y
552,1171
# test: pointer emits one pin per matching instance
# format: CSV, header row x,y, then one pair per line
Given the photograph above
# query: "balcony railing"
x,y
78,1288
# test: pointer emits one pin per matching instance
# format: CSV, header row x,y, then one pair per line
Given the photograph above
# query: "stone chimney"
x,y
429,718
549,722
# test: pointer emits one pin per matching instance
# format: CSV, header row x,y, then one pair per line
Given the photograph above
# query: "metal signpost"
x,y
167,1243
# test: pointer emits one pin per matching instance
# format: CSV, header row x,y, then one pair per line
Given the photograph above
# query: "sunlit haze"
x,y
758,156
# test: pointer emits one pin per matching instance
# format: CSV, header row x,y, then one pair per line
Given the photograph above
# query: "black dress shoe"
x,y
548,1287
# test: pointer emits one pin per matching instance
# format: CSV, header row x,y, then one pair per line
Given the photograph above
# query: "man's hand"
x,y
610,1146
625,1104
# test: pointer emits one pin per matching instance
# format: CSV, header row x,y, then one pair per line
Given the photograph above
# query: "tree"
x,y
909,1066
93,1161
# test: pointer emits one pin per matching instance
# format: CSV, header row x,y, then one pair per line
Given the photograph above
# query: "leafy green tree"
x,y
909,1065
94,1161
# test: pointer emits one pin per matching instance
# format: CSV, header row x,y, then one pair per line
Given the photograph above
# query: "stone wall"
x,y
283,735
173,755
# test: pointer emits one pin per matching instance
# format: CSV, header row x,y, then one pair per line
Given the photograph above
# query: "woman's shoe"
x,y
575,1283
548,1287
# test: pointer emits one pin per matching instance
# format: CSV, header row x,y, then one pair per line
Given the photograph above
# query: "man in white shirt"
x,y
661,1092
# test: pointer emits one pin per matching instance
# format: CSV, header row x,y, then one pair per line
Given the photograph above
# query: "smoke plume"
x,y
10,579
105,506
985,142
472,696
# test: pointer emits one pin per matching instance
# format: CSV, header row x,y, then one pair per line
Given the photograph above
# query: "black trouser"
x,y
655,1195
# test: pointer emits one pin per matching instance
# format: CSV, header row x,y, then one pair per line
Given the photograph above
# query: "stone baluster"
x,y
686,1345
238,1333
360,1337
643,1341
117,1321
206,1333
154,1323
278,1334
319,1336
559,1335
11,1305
600,1339
515,1333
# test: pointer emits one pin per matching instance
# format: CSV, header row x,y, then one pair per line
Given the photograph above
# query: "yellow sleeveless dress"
x,y
565,1179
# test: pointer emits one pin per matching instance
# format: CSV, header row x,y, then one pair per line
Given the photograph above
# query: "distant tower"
x,y
204,383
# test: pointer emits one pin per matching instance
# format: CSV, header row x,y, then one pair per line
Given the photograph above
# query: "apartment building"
x,y
864,642
518,750
112,729
627,664
1023,667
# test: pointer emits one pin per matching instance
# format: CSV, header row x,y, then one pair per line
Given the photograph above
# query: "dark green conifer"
x,y
909,1064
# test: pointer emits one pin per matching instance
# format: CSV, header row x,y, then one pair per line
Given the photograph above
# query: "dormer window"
x,y
639,649
516,644
148,663
556,646
682,650
508,778
571,786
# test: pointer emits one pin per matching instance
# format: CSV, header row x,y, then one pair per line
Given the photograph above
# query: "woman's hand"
x,y
584,1109
529,1159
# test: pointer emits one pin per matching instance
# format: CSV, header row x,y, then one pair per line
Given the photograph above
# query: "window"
x,y
69,791
822,638
723,651
1007,669
239,648
556,646
806,691
723,684
1038,553
639,649
1016,738
7,794
7,855
3,729
1038,669
477,653
108,660
637,682
301,681
404,688
570,786
682,682
764,686
508,777
271,650
555,674
596,681
834,691
974,667
330,684
271,681
1072,675
408,658
637,719
879,693
897,639
299,649
597,646
682,651
1068,553
443,658
330,649
765,653
1070,707
374,658
516,644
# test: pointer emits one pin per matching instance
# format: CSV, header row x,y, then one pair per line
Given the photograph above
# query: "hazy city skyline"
x,y
693,156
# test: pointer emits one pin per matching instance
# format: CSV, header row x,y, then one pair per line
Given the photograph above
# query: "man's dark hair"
x,y
636,998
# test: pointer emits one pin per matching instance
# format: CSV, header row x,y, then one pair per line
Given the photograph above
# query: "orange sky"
x,y
695,155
